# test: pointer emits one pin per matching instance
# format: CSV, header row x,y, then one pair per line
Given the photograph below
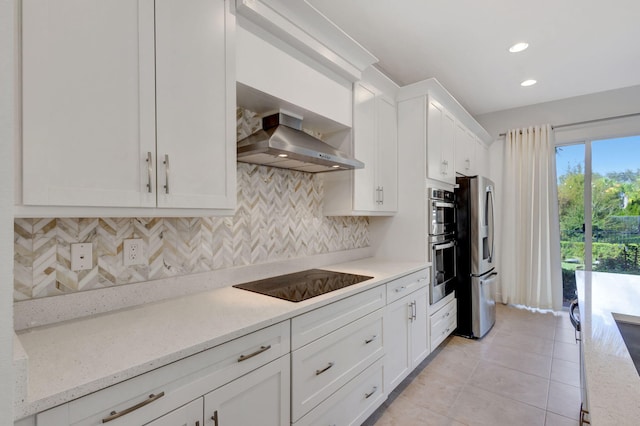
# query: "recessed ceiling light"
x,y
518,47
528,83
336,166
282,155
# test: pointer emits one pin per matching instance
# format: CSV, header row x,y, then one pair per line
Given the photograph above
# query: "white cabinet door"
x,y
88,103
387,147
482,158
259,398
441,127
365,196
435,113
187,415
406,336
465,151
397,362
419,328
193,96
447,148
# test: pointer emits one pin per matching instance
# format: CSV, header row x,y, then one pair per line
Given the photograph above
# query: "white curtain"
x,y
530,249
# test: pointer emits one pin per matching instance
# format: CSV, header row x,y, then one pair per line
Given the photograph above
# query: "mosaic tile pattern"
x,y
278,216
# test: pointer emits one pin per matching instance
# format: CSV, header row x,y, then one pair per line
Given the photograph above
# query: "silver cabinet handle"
x,y
319,372
366,342
149,171
367,395
166,173
114,414
415,310
399,289
410,304
251,355
382,195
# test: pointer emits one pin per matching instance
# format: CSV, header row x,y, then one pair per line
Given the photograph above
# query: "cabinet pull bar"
x,y
114,414
251,355
399,289
166,173
215,418
370,340
149,172
319,372
367,395
382,195
197,423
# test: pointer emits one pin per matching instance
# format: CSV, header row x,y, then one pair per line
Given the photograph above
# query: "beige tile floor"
x,y
525,371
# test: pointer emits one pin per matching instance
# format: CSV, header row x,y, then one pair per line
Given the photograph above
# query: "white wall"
x,y
571,110
7,134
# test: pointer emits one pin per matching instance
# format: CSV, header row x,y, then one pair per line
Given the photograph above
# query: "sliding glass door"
x,y
599,207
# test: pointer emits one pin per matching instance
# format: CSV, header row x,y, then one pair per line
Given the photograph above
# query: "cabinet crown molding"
x,y
434,89
302,26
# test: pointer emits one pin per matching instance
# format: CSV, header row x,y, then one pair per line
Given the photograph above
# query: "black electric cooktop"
x,y
303,285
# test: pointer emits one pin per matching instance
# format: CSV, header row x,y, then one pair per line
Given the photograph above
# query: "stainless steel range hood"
x,y
282,143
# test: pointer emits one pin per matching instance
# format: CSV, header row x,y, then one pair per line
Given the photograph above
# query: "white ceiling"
x,y
576,47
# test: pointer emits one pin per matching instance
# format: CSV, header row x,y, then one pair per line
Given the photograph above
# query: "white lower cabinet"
x,y
406,339
187,415
259,398
336,361
333,365
320,368
443,320
353,403
243,363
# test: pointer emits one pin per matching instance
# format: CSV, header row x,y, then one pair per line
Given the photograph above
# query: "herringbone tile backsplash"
x,y
278,216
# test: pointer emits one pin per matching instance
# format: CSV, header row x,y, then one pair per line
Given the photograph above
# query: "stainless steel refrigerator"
x,y
476,256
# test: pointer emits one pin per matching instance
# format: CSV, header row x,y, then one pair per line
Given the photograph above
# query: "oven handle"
x,y
441,204
440,246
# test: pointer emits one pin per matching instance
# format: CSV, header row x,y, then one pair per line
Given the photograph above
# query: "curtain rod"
x,y
597,120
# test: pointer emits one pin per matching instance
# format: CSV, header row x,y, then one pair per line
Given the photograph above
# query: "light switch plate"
x,y
81,256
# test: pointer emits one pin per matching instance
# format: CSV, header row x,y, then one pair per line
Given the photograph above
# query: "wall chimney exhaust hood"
x,y
282,143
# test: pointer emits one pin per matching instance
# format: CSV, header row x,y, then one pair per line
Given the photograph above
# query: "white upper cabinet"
x,y
465,151
365,194
114,88
372,190
195,99
441,129
387,165
482,158
375,144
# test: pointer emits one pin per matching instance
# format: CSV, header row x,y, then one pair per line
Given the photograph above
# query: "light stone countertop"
x,y
612,382
74,358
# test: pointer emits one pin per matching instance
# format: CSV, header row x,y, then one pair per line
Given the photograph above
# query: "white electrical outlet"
x,y
132,252
81,256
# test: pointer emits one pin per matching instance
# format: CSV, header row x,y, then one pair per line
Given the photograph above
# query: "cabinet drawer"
x,y
404,285
443,323
310,326
320,368
353,403
449,310
179,382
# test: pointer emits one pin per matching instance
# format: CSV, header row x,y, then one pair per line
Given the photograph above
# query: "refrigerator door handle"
x,y
493,230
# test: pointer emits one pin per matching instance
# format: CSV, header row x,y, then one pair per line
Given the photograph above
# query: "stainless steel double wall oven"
x,y
442,242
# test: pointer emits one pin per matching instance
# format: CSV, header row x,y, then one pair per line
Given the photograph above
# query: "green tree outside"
x,y
615,223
